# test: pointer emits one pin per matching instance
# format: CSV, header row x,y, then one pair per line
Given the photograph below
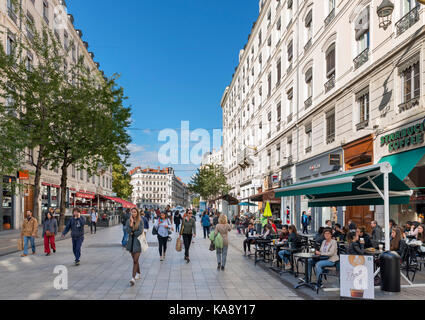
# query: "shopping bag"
x,y
143,242
20,244
178,245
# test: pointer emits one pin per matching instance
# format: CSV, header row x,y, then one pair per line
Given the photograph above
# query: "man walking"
x,y
29,232
124,219
76,225
93,219
177,220
305,222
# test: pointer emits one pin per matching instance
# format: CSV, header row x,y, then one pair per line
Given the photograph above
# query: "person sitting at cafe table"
x,y
326,257
392,224
395,244
364,237
338,233
318,238
352,226
414,229
354,246
292,244
408,226
247,242
268,232
421,237
272,224
284,234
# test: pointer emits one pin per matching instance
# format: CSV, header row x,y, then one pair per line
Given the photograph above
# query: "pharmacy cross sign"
x,y
410,136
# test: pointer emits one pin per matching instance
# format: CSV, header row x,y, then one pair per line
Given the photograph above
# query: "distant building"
x,y
158,188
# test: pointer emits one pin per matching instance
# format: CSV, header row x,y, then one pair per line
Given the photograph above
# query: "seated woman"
x,y
268,232
421,237
292,244
354,247
395,241
414,230
338,233
328,256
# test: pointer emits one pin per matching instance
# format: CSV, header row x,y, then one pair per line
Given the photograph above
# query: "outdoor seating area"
x,y
306,254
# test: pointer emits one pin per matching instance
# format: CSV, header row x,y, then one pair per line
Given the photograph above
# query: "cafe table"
x,y
306,281
250,239
262,244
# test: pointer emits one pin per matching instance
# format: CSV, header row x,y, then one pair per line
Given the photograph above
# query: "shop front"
x,y
314,168
266,194
8,203
404,148
358,154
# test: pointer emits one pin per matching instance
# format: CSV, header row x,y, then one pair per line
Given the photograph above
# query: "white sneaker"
x,y
137,277
132,282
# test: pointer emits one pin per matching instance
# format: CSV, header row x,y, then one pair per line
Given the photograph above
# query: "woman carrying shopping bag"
x,y
221,231
188,231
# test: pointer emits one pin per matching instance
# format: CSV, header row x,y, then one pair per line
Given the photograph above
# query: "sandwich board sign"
x,y
357,277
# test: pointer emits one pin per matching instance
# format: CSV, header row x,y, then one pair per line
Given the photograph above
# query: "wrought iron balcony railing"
x,y
308,102
362,124
408,20
409,104
361,59
330,84
330,17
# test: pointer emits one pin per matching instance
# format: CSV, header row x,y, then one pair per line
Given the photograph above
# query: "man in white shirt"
x,y
93,219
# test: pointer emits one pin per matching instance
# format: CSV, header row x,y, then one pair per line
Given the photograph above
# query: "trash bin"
x,y
390,271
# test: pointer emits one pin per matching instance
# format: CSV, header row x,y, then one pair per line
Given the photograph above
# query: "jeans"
x,y
76,247
93,223
187,240
26,239
319,267
284,255
125,237
177,227
206,231
162,241
305,229
221,256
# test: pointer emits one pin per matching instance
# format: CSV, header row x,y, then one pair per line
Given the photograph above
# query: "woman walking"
x,y
188,231
29,232
50,229
134,228
163,224
223,228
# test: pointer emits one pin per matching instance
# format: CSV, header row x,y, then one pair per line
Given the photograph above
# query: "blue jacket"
x,y
206,221
76,226
145,223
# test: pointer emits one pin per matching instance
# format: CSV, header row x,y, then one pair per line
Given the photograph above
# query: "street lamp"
x,y
385,11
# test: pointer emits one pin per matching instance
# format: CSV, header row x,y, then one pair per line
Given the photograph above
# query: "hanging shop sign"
x,y
403,138
23,175
357,277
84,195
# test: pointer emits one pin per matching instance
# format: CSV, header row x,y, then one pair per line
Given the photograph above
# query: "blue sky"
x,y
175,58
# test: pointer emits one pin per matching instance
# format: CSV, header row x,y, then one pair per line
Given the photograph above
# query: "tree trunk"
x,y
36,207
64,180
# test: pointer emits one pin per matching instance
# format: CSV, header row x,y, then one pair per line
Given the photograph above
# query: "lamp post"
x,y
385,11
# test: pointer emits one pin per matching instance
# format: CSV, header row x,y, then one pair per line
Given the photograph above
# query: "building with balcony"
x,y
82,190
317,85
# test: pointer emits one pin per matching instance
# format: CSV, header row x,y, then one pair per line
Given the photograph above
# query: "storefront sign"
x,y
84,195
412,135
315,167
23,175
357,277
320,164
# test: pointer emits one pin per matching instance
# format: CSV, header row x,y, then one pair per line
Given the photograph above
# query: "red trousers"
x,y
49,240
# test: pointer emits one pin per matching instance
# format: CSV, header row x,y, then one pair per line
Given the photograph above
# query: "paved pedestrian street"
x,y
105,272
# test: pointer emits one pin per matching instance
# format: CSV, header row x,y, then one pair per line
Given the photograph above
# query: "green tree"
x,y
209,182
121,181
31,81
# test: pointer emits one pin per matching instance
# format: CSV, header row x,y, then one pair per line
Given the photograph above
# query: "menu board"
x,y
357,277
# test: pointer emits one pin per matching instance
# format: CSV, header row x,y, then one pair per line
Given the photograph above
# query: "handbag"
x,y
143,242
155,230
178,245
20,244
49,234
212,246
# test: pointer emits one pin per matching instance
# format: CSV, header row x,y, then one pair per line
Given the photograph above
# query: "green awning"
x,y
353,188
404,162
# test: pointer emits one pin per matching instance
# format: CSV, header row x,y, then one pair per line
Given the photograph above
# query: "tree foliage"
x,y
121,181
209,181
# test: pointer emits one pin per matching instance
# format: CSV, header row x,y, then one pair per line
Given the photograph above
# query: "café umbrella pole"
x,y
387,212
